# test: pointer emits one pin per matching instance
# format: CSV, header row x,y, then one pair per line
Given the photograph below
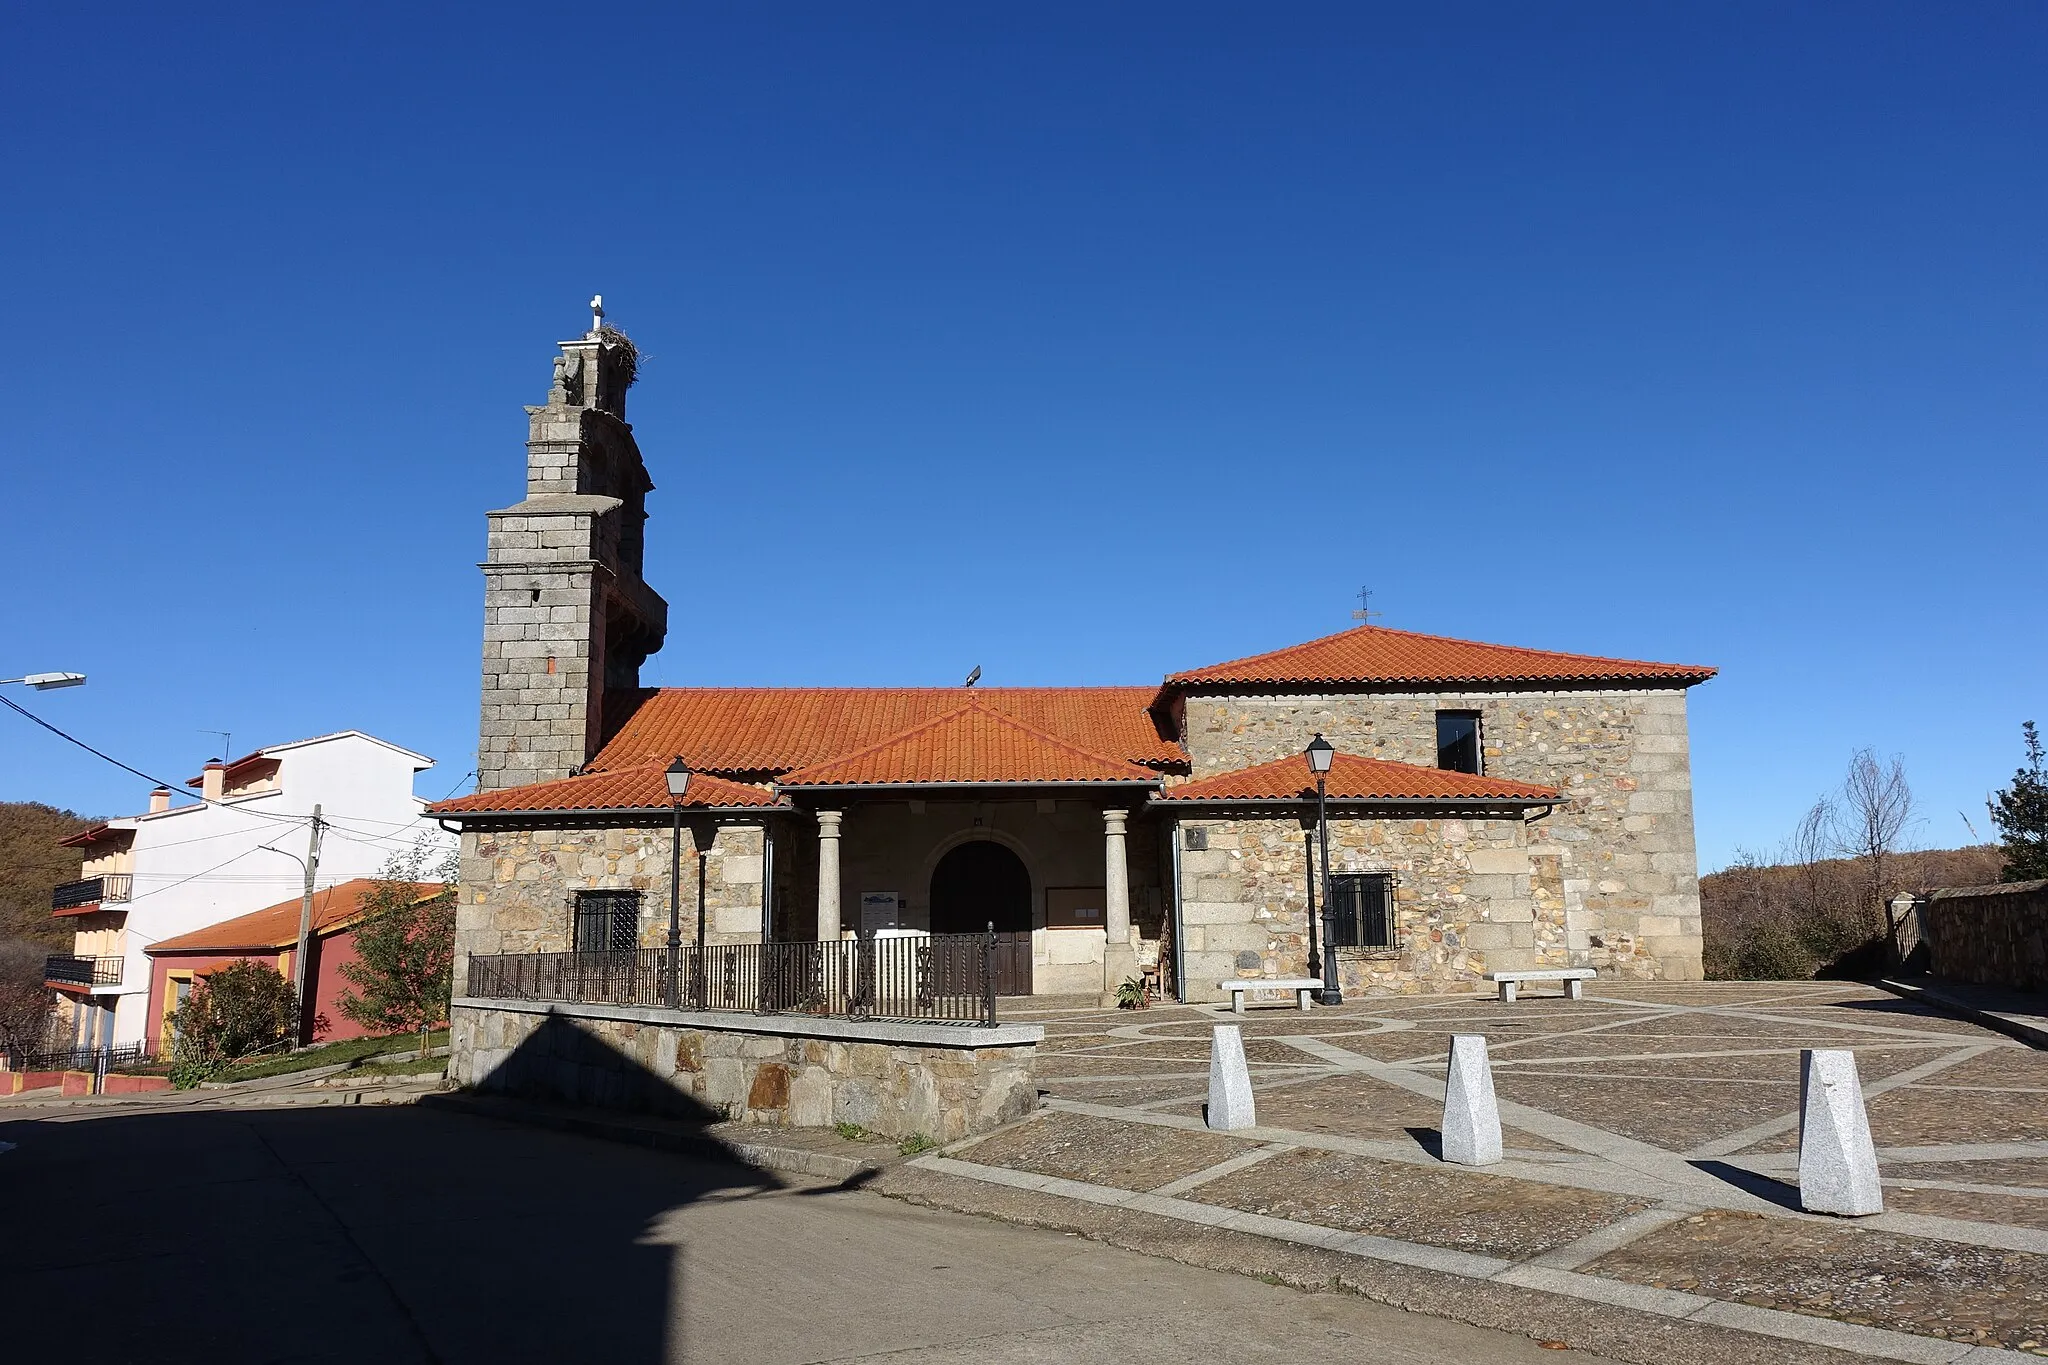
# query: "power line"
x,y
10,704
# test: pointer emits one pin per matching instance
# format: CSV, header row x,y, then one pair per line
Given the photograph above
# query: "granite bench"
x,y
1302,986
1574,979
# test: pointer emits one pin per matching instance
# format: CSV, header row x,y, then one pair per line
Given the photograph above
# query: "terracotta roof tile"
x,y
778,729
1353,778
1377,655
972,744
644,787
277,926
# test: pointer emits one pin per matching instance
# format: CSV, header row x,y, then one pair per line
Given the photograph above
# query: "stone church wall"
x,y
1470,897
519,885
1618,856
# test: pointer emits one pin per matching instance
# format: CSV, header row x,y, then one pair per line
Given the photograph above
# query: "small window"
x,y
1457,741
1361,910
607,921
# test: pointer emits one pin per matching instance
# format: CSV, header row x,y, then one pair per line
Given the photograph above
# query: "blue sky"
x,y
1083,343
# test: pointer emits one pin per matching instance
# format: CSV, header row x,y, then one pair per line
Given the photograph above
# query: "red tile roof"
x,y
971,745
1376,655
1352,778
277,926
93,835
644,787
778,729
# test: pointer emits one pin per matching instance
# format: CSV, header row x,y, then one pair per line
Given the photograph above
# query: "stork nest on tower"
x,y
625,355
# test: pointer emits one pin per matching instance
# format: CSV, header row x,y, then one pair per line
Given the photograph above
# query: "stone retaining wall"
x,y
1989,935
902,1080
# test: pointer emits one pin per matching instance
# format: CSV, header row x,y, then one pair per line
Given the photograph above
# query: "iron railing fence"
x,y
939,978
112,888
68,970
111,1058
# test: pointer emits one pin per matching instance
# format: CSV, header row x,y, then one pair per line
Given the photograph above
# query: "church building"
x,y
1489,807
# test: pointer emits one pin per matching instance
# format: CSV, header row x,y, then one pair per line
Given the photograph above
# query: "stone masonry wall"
x,y
900,1090
518,886
1989,935
1470,896
1618,856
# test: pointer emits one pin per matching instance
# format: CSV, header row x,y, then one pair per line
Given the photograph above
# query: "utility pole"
x,y
306,913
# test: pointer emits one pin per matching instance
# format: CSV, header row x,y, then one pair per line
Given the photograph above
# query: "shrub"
x,y
243,1008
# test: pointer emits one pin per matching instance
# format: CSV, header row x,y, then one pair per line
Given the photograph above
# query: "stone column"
x,y
1119,959
828,876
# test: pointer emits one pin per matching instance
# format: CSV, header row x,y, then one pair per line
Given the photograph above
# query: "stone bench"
x,y
1574,979
1302,986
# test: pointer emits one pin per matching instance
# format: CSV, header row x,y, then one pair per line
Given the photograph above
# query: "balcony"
x,y
77,898
81,973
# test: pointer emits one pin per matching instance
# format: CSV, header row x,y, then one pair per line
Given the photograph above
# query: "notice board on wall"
x,y
1074,907
878,910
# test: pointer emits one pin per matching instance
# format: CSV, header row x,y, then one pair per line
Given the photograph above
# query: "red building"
x,y
271,936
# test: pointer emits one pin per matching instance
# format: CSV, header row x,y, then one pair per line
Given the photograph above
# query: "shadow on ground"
x,y
346,1233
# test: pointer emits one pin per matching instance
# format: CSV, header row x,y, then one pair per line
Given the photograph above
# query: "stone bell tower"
x,y
567,616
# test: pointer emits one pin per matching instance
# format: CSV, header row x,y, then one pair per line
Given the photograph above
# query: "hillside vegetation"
x,y
1794,920
31,864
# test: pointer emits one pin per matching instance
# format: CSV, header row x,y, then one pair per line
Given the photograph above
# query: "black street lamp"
x,y
1320,754
678,788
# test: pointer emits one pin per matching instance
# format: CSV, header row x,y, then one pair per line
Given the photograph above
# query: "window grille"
x,y
1362,910
607,921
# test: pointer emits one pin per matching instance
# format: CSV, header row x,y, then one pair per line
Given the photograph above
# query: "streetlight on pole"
x,y
1321,753
678,787
43,682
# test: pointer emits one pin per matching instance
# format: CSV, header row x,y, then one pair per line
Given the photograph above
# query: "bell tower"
x,y
568,618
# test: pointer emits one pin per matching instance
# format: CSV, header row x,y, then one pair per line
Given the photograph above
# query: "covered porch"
x,y
971,821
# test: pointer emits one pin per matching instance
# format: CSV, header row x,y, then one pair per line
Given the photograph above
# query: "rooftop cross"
x,y
596,314
1365,612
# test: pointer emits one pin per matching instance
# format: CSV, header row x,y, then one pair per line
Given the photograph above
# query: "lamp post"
x,y
43,682
1320,754
678,787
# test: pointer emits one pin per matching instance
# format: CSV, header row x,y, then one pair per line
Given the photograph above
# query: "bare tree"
x,y
1811,845
25,1003
1877,807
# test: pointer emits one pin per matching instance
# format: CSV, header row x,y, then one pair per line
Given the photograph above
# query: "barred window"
x,y
607,921
1361,910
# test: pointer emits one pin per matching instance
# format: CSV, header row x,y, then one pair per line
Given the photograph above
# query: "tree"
x,y
31,863
26,1004
1877,806
242,1008
404,972
2021,814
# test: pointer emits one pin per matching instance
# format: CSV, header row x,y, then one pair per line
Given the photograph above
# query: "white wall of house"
x,y
196,865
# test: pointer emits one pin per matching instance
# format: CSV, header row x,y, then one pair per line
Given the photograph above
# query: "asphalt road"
x,y
410,1235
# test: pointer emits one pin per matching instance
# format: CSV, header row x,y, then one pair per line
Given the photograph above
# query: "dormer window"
x,y
1457,741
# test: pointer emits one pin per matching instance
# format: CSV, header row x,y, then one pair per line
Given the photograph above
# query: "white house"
x,y
243,846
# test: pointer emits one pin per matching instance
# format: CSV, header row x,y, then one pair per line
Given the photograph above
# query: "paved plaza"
x,y
1651,1135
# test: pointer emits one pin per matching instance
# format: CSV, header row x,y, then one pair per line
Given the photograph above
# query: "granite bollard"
x,y
1230,1081
1837,1161
1471,1128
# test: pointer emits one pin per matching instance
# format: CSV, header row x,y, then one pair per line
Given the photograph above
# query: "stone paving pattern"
x,y
1909,1284
1672,1106
1444,1208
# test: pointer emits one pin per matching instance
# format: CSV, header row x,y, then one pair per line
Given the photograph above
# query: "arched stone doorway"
x,y
983,882
979,882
